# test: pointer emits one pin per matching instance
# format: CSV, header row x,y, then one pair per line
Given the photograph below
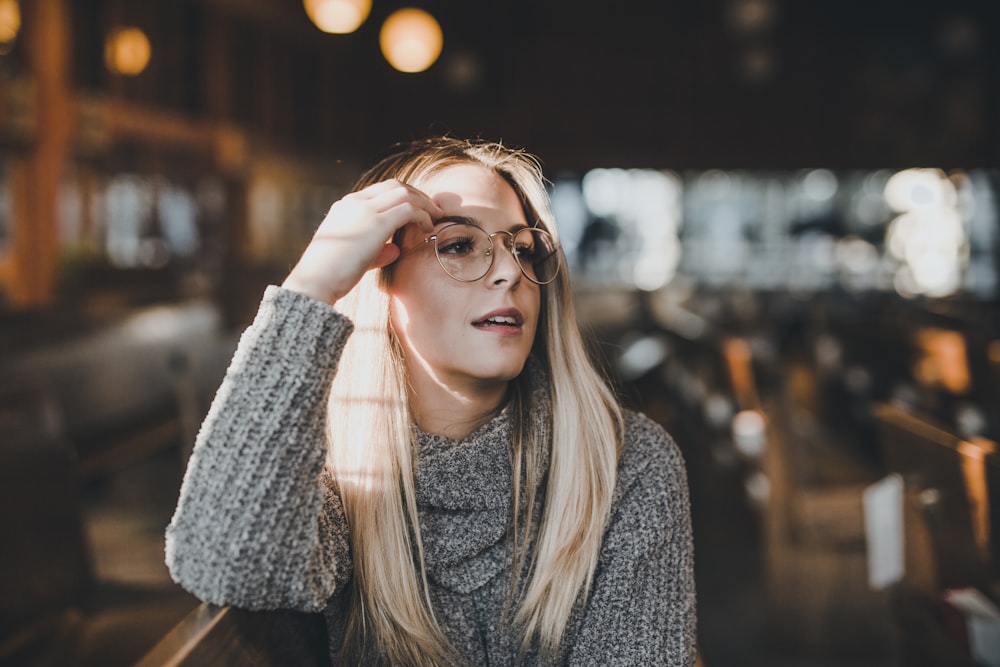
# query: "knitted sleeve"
x,y
258,524
641,610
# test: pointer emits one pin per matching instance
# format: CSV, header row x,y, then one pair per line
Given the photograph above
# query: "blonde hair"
x,y
371,448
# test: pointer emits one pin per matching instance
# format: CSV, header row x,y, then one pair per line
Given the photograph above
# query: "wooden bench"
x,y
43,562
950,514
226,636
815,558
130,388
53,610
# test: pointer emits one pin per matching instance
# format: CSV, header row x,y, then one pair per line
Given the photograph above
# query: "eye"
x,y
525,251
457,245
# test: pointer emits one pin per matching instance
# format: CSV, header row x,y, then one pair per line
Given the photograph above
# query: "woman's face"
x,y
449,330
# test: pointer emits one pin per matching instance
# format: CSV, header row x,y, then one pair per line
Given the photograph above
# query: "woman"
x,y
411,438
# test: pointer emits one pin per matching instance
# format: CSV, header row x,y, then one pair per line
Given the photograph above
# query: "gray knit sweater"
x,y
259,526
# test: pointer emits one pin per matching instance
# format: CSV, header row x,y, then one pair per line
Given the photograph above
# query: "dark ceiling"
x,y
760,83
668,83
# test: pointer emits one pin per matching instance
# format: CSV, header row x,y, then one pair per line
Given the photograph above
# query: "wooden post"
x,y
36,224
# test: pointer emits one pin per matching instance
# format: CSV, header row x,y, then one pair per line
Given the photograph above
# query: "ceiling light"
x,y
411,40
127,51
337,16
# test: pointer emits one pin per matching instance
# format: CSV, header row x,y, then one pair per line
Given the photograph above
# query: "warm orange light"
x,y
739,359
337,16
411,40
10,21
127,51
943,360
977,492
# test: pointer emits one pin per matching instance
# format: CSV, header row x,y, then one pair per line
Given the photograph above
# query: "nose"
x,y
505,267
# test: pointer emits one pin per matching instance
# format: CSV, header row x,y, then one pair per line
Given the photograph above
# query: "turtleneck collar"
x,y
464,492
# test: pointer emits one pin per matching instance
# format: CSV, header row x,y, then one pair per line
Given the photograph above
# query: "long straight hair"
x,y
371,445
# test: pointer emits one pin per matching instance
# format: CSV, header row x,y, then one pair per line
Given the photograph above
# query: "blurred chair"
x,y
132,387
951,501
819,600
52,610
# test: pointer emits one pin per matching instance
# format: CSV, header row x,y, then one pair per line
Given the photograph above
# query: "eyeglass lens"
x,y
466,252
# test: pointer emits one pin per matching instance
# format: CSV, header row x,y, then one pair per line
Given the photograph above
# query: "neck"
x,y
453,411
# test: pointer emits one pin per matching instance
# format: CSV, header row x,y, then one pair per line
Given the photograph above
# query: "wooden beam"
x,y
36,241
127,120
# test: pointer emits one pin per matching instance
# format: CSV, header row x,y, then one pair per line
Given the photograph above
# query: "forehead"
x,y
467,188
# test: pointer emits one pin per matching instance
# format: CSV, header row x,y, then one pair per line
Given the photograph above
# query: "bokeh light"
x,y
913,189
928,238
10,24
411,40
127,51
337,16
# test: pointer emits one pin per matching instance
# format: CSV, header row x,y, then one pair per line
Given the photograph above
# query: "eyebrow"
x,y
465,220
461,219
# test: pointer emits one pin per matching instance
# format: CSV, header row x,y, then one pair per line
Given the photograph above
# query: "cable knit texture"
x,y
259,526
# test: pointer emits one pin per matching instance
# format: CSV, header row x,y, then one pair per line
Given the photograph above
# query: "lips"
x,y
506,317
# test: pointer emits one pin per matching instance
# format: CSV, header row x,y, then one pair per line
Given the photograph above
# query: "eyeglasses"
x,y
466,252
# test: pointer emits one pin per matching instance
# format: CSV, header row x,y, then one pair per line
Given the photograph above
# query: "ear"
x,y
386,256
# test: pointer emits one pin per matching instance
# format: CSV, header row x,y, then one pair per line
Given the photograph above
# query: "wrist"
x,y
311,288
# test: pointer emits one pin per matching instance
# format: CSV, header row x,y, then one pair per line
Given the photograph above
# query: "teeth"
x,y
502,320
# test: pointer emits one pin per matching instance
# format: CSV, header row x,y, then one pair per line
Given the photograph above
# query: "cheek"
x,y
419,306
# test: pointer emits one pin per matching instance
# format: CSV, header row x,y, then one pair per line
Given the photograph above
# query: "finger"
x,y
376,189
392,187
429,205
408,212
434,212
391,197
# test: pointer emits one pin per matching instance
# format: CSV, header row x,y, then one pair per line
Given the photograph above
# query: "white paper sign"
x,y
982,619
883,503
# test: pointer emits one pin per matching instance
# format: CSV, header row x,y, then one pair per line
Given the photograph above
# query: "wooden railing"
x,y
950,509
224,636
955,480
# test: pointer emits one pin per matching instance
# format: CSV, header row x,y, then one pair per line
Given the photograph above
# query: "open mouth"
x,y
499,321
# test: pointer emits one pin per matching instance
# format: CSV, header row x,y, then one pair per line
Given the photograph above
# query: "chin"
x,y
504,372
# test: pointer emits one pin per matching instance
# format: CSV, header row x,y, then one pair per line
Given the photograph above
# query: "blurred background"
x,y
781,217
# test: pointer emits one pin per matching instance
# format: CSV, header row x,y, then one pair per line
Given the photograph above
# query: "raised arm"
x,y
258,524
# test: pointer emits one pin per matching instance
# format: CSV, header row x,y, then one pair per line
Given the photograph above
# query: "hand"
x,y
356,235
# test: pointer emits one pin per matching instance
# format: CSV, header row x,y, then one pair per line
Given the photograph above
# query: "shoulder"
x,y
651,494
648,454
